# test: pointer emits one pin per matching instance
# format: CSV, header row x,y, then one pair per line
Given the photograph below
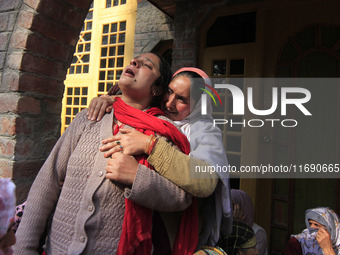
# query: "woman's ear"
x,y
156,91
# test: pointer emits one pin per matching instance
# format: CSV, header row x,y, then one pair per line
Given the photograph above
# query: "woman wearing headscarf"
x,y
205,145
244,210
91,214
206,149
242,240
321,237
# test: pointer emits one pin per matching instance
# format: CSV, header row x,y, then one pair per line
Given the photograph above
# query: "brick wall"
x,y
189,17
37,40
152,26
184,51
8,102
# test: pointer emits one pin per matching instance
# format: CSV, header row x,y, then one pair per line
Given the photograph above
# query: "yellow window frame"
x,y
76,84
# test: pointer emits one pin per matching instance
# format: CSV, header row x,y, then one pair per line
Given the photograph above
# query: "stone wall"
x,y
185,45
189,17
152,27
8,14
37,40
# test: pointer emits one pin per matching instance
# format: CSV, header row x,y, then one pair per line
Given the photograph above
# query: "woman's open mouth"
x,y
129,72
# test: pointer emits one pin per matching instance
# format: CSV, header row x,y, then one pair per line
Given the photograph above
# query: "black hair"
x,y
162,82
197,83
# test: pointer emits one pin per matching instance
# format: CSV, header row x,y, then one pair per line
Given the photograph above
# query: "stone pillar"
x,y
185,44
37,43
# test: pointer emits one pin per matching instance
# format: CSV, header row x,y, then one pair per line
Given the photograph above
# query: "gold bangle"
x,y
152,145
147,147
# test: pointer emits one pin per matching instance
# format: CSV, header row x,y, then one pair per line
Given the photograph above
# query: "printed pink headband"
x,y
204,76
195,70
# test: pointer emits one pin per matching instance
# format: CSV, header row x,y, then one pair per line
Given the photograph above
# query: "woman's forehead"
x,y
182,83
150,57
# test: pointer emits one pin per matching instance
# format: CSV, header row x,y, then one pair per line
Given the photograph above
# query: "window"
x,y
113,3
76,100
105,45
232,29
81,59
112,55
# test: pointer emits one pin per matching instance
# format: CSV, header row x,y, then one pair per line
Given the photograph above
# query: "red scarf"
x,y
136,237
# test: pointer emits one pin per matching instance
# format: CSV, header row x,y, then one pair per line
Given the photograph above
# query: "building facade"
x,y
113,32
270,39
104,48
227,39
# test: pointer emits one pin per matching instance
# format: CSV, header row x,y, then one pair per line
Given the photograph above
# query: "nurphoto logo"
x,y
239,104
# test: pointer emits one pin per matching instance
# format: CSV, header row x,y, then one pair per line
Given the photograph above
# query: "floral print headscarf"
x,y
325,217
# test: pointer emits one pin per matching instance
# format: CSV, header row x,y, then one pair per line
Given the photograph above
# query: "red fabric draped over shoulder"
x,y
136,237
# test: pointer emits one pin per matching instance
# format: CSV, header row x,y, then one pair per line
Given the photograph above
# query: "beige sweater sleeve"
x,y
45,189
180,169
156,192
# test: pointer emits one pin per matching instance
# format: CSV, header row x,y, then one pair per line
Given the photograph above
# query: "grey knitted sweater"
x,y
86,215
